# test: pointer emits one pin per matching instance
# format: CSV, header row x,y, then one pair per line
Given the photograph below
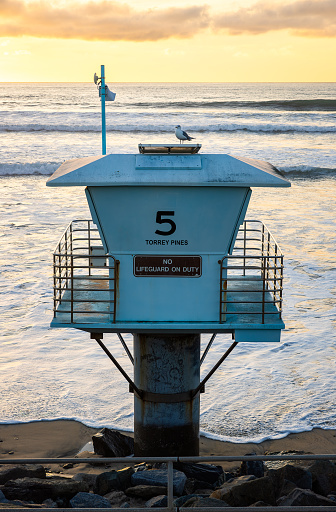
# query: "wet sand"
x,y
65,438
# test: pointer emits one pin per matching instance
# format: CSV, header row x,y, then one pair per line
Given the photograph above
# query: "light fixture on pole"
x,y
105,95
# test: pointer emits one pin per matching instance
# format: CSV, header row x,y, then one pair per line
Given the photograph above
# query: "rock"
x,y
277,464
323,476
89,500
119,480
14,505
226,487
179,502
3,498
62,503
39,490
202,472
157,501
242,493
10,472
286,488
304,498
260,504
111,443
228,476
298,475
116,498
50,503
189,487
68,465
88,478
146,491
160,477
252,467
204,502
193,485
203,492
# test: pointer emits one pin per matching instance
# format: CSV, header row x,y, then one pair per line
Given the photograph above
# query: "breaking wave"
x,y
326,105
270,127
35,168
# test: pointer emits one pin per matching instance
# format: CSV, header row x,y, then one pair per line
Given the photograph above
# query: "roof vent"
x,y
170,149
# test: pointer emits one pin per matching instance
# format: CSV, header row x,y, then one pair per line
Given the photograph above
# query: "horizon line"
x,y
173,82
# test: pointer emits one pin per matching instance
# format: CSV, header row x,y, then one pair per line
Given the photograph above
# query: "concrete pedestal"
x,y
166,418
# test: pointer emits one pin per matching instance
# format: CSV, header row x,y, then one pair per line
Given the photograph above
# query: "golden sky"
x,y
168,40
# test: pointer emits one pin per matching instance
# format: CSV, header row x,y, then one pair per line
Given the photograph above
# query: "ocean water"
x,y
262,390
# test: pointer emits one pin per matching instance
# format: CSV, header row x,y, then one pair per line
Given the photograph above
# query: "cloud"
x,y
22,52
103,20
302,18
111,20
172,53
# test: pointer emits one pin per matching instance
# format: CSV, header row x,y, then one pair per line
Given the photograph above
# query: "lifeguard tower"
x,y
166,256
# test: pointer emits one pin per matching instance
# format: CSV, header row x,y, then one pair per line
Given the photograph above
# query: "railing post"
x,y
275,265
170,490
264,288
223,292
60,272
66,258
275,271
71,288
225,284
115,284
55,284
267,260
245,240
281,285
71,237
89,245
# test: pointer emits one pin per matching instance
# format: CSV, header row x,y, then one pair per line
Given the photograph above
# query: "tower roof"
x,y
167,169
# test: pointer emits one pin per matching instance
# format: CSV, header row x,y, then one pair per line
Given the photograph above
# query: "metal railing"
x,y
86,278
84,275
169,461
251,278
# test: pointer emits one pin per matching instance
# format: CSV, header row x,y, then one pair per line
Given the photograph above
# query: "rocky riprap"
x,y
253,484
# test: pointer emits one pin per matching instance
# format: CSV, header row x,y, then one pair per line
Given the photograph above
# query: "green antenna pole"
x,y
103,116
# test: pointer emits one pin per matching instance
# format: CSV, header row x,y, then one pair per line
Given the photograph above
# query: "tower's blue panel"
x,y
168,241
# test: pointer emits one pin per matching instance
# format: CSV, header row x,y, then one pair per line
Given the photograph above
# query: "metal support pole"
x,y
166,417
115,362
208,347
103,116
217,365
125,347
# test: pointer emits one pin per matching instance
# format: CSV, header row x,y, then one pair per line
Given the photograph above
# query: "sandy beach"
x,y
65,438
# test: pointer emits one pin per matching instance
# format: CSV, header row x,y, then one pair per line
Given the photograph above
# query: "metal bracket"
x,y
167,398
147,396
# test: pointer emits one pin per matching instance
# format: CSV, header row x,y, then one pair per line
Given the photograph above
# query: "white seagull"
x,y
182,135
